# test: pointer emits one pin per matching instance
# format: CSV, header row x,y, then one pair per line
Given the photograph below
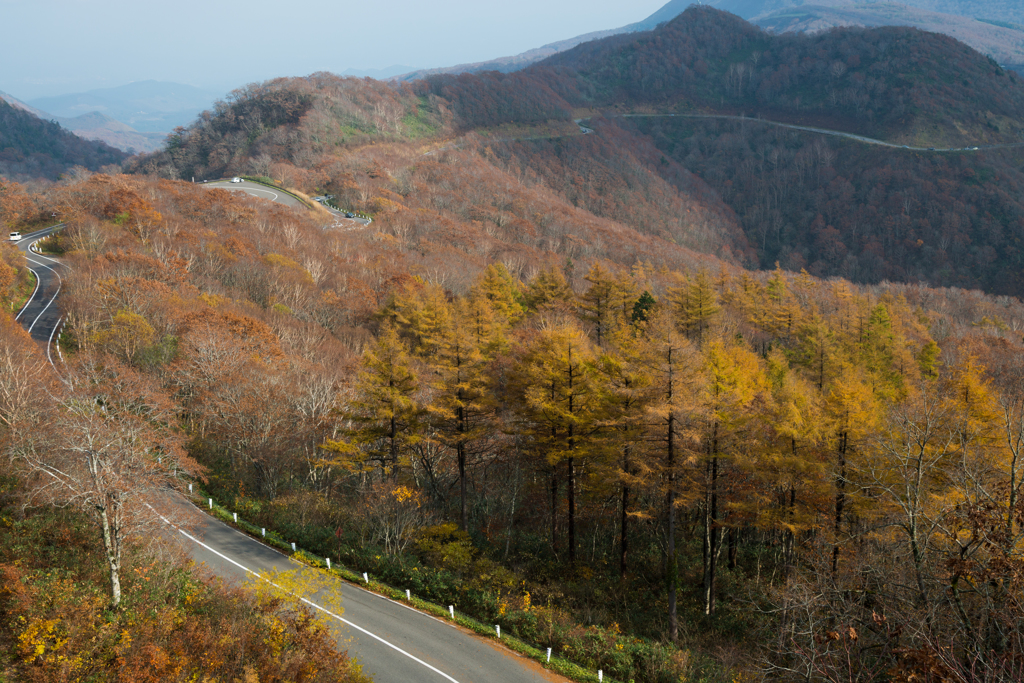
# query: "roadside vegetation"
x,y
541,385
647,468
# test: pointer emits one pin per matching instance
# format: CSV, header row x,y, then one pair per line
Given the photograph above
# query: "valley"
x,y
691,352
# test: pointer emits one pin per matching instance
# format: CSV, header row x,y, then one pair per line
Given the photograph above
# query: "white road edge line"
x,y
354,586
308,602
60,283
31,297
49,344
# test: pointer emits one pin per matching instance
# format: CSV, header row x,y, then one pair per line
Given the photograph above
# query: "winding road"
x,y
823,131
40,315
274,195
393,642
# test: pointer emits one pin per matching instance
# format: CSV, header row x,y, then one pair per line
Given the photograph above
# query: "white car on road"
x,y
236,180
15,237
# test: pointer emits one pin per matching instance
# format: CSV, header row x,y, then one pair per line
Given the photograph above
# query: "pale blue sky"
x,y
53,47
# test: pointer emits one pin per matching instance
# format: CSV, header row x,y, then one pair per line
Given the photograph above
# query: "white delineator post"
x,y
600,676
408,595
235,514
328,563
263,530
497,627
549,654
293,546
366,578
190,488
211,502
451,610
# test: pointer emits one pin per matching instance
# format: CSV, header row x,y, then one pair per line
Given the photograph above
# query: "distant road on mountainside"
x,y
825,131
276,195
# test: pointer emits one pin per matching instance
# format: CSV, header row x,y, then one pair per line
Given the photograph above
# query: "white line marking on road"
x,y
49,343
308,602
253,189
60,283
31,297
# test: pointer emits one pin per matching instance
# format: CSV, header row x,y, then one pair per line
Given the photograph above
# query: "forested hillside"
x,y
386,152
32,148
803,200
1000,40
586,453
167,621
857,211
894,83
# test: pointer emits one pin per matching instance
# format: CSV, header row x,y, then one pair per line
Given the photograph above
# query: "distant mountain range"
x,y
31,147
994,10
96,126
515,62
146,106
134,117
993,27
1002,41
379,74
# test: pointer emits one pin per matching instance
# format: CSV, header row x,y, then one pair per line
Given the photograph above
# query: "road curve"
x,y
825,131
40,315
393,642
281,197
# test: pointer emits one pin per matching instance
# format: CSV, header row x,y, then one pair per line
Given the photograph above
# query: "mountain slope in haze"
x,y
668,12
33,148
1000,10
898,84
146,106
97,126
1002,43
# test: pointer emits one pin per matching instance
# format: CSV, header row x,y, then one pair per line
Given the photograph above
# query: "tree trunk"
x,y
671,573
840,500
112,546
554,511
712,534
624,526
461,449
393,447
572,512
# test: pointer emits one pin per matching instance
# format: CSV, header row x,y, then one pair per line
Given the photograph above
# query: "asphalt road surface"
x,y
41,316
256,190
264,192
393,642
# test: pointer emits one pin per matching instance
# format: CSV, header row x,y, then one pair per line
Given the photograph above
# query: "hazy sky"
x,y
53,47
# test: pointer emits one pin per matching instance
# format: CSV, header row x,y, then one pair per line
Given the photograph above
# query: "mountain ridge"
x,y
509,63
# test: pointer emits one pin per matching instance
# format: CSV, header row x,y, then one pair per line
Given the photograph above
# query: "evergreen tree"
x,y
560,402
384,408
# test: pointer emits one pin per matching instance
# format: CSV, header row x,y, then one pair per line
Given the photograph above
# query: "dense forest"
x,y
857,211
166,622
803,200
684,452
33,148
891,82
541,384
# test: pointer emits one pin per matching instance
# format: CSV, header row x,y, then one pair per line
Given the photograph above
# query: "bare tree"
x,y
115,452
